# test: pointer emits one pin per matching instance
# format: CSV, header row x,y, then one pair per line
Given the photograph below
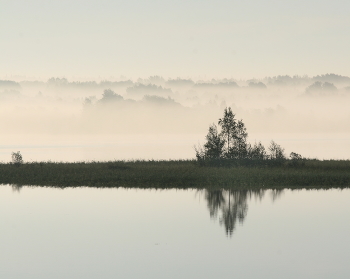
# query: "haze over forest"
x,y
104,80
291,109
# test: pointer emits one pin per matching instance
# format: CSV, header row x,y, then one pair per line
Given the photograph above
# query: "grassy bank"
x,y
177,174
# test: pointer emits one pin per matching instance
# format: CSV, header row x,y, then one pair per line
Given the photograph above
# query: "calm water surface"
x,y
133,233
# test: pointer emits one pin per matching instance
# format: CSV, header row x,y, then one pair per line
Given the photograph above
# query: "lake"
x,y
132,233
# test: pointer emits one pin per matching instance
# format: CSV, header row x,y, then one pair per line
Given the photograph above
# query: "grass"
x,y
314,174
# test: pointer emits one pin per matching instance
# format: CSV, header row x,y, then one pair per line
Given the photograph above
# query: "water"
x,y
134,233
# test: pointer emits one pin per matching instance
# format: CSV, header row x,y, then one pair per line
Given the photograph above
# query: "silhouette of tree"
x,y
231,143
215,143
17,158
235,134
276,153
228,126
239,149
257,152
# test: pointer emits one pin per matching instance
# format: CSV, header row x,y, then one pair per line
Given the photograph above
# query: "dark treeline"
x,y
159,82
177,174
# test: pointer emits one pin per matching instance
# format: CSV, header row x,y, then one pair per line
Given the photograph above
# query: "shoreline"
x,y
182,174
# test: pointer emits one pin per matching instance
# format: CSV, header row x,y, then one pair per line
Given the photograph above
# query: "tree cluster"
x,y
227,143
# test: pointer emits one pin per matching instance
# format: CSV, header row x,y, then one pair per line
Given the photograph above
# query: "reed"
x,y
178,174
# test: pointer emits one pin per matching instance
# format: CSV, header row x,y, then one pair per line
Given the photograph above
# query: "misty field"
x,y
314,174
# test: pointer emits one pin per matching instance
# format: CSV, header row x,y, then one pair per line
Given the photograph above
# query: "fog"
x,y
159,118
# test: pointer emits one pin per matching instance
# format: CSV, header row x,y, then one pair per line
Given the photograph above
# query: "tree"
x,y
214,146
257,152
277,153
239,149
17,159
228,126
235,134
296,160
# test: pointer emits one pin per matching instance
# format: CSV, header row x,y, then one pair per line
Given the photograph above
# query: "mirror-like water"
x,y
133,233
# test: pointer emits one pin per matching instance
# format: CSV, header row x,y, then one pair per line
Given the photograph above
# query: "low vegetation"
x,y
226,160
179,174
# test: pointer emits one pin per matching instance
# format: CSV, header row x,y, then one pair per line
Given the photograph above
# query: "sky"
x,y
105,39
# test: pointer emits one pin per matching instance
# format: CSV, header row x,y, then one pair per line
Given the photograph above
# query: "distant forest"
x,y
155,83
182,105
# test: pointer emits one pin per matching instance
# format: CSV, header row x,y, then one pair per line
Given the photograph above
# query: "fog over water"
x,y
159,118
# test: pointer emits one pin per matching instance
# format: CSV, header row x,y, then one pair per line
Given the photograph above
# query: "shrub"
x,y
276,155
296,160
17,159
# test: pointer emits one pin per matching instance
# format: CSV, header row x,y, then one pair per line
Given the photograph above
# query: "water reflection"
x,y
228,206
16,187
232,206
52,232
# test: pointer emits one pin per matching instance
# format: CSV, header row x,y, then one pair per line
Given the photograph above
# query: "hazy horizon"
x,y
158,118
171,68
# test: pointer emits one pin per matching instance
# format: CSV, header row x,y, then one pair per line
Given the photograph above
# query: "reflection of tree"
x,y
16,187
235,209
232,205
275,194
215,199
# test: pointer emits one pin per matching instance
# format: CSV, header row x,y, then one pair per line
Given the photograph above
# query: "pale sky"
x,y
198,39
